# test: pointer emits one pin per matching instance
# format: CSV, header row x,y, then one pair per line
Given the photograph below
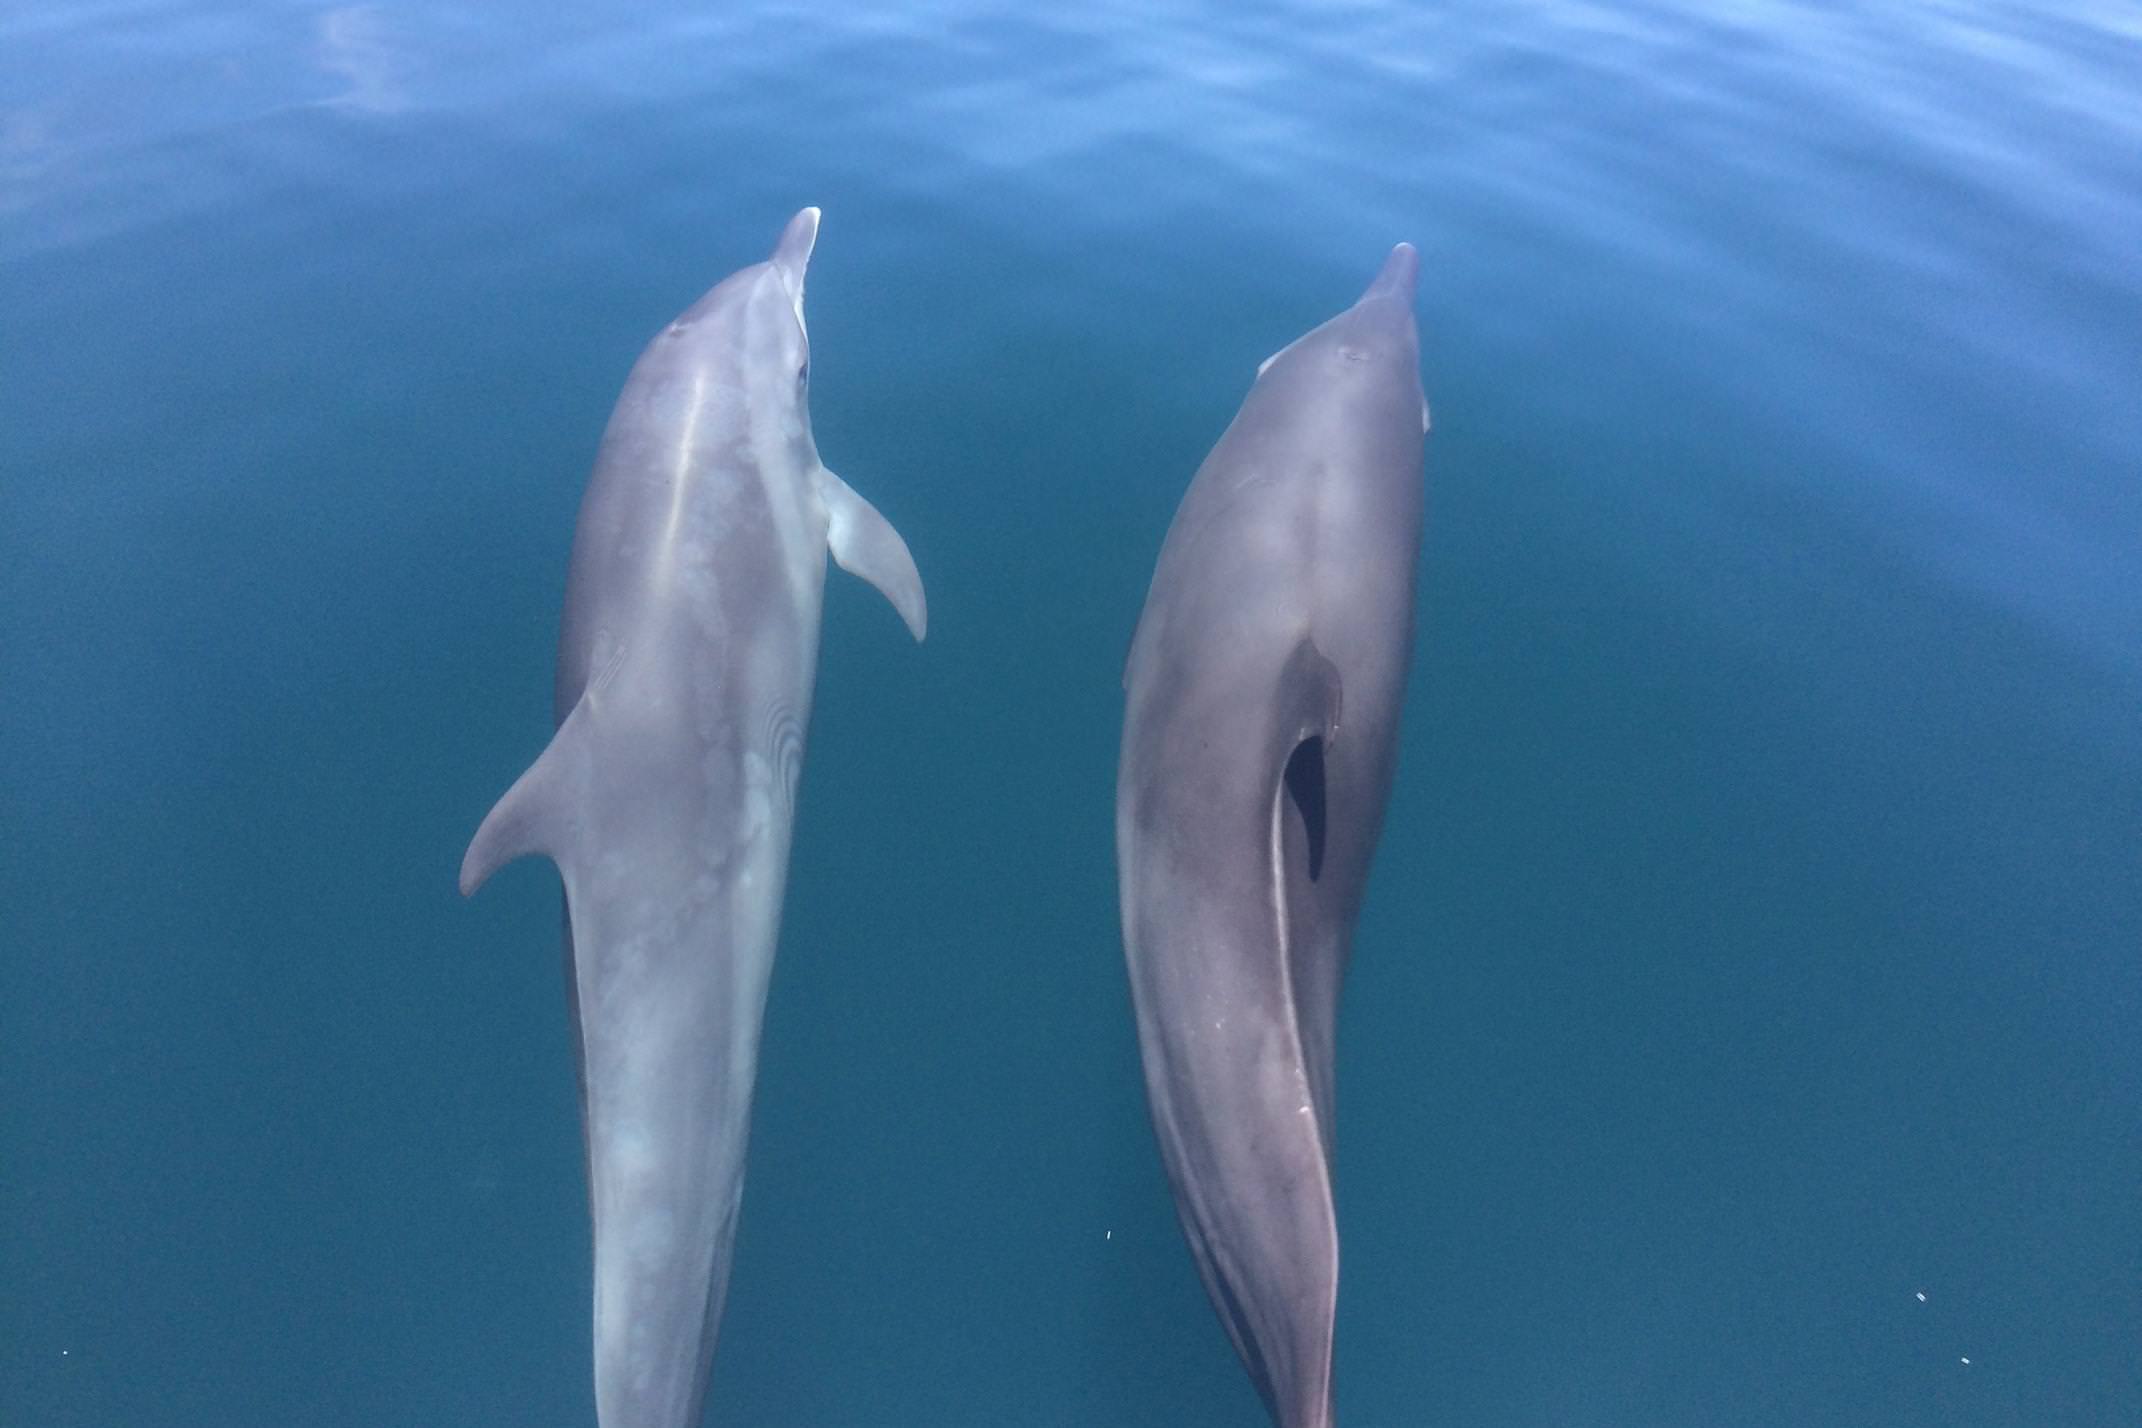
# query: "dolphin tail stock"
x,y
535,816
866,545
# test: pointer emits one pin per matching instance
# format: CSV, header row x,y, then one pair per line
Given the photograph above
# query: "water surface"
x,y
1753,943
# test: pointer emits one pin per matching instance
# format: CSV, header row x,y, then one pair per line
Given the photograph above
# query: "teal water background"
x,y
1754,942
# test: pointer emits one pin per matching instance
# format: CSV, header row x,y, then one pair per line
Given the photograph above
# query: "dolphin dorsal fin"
x,y
866,545
1311,695
1310,700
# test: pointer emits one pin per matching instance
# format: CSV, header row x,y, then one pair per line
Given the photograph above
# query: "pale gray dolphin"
x,y
666,797
1259,737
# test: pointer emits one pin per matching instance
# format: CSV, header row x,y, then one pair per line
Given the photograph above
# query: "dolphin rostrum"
x,y
1259,737
666,797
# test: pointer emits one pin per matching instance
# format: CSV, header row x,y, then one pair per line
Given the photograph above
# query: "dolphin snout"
x,y
1400,276
792,254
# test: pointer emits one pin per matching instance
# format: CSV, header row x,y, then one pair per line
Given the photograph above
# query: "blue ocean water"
x,y
1753,945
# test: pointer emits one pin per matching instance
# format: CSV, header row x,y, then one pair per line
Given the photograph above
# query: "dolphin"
x,y
668,793
1259,738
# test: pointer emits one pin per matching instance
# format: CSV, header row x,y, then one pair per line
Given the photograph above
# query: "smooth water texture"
x,y
1753,948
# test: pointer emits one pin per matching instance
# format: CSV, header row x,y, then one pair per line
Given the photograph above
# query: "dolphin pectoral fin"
x,y
534,816
865,544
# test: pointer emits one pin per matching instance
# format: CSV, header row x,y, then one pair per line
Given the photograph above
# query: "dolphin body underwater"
x,y
666,797
1259,739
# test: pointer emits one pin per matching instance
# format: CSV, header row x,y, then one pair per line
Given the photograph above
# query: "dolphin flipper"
x,y
534,815
866,545
538,814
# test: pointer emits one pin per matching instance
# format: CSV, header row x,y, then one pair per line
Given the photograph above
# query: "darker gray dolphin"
x,y
1259,738
668,794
